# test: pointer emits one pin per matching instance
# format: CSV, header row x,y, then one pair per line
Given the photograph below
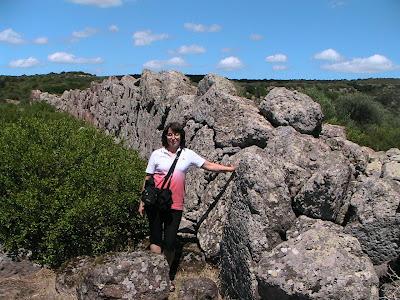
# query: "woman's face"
x,y
173,139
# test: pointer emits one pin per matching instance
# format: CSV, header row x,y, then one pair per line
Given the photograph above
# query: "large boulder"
x,y
331,131
214,209
323,196
320,263
198,288
235,120
259,213
357,155
391,166
217,83
283,107
122,275
374,217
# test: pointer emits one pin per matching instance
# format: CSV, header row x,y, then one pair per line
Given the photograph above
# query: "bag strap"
x,y
171,170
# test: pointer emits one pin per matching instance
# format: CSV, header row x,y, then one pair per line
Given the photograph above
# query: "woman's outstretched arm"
x,y
214,167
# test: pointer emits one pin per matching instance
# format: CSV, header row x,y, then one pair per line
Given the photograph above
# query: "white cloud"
x,y
176,61
374,64
154,64
276,58
41,40
192,49
279,67
84,33
202,28
230,63
67,58
328,54
24,62
113,28
256,37
99,3
337,3
160,64
10,36
143,38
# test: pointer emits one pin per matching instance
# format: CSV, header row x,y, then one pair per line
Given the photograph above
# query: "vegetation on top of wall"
x,y
20,87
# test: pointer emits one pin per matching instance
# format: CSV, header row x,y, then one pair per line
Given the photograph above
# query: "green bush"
x,y
359,108
327,106
20,87
378,137
65,189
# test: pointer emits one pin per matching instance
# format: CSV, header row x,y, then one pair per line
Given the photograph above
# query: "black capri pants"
x,y
164,225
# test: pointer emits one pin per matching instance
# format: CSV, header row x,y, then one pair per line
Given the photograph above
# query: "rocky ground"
x,y
22,279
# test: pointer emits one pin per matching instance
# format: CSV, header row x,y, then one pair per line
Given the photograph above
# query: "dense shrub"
x,y
359,108
328,108
20,87
65,188
378,137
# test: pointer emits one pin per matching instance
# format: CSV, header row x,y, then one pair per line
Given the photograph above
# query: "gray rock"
x,y
318,264
135,275
283,107
374,218
122,275
213,215
391,170
374,199
235,120
331,131
379,239
217,83
303,224
393,154
201,288
160,88
356,154
375,162
299,156
259,212
323,195
70,276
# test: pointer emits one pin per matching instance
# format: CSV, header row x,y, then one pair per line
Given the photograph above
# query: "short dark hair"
x,y
176,128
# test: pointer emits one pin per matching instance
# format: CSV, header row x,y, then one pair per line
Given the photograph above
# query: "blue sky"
x,y
285,39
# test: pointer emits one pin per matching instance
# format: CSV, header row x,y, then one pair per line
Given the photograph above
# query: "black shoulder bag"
x,y
159,198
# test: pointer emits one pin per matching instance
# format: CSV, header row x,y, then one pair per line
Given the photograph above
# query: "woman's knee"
x,y
155,248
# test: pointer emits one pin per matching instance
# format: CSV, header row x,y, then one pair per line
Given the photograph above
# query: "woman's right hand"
x,y
141,208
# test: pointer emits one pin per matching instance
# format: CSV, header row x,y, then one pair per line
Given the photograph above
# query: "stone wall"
x,y
291,170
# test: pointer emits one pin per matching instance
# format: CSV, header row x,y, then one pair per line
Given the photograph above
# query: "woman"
x,y
166,223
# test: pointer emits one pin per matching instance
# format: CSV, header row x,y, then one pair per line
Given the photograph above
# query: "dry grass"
x,y
394,292
207,271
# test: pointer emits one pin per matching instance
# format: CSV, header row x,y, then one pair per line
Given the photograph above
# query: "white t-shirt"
x,y
160,162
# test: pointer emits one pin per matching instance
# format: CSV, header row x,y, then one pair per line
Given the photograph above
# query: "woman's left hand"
x,y
141,209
